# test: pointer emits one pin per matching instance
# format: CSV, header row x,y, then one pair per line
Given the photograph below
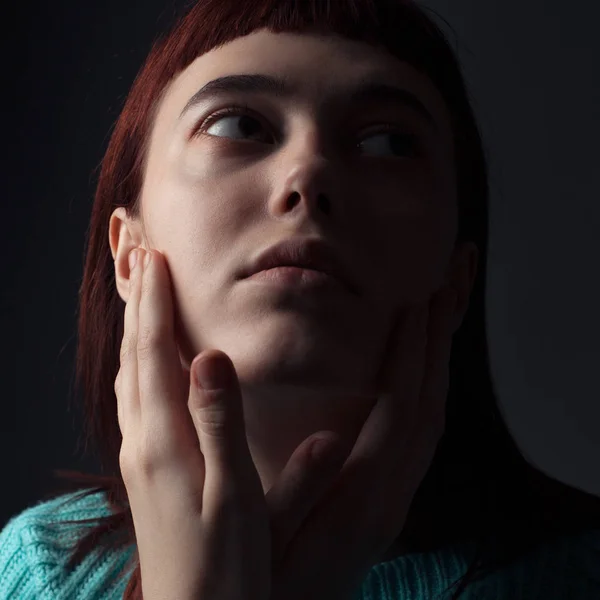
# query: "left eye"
x,y
403,143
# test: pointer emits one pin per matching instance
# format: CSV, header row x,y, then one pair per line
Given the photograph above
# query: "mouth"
x,y
301,263
299,278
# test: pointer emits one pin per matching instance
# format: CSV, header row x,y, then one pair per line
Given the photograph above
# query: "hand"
x,y
197,503
199,512
366,508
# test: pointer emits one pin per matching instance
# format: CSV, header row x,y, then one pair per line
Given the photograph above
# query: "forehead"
x,y
316,63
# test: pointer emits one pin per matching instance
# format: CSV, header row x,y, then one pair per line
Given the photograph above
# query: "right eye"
x,y
246,123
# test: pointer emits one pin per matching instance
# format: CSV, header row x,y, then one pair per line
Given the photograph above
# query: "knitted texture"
x,y
34,553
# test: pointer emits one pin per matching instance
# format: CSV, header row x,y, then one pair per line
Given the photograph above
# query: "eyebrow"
x,y
369,88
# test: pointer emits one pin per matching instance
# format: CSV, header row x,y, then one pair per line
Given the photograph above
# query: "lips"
x,y
297,277
307,253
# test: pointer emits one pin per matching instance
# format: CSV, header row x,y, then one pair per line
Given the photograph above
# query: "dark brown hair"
x,y
479,487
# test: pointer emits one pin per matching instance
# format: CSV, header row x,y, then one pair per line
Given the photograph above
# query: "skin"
x,y
210,204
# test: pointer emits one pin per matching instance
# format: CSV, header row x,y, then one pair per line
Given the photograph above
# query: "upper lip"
x,y
310,253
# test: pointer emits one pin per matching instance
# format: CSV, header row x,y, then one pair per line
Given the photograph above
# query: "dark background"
x,y
532,68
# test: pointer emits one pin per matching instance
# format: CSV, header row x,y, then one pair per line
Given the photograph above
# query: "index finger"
x,y
126,385
161,386
390,421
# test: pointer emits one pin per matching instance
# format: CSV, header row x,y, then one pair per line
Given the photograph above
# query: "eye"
x,y
404,144
246,122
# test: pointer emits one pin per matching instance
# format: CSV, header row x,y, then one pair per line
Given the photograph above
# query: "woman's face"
x,y
312,163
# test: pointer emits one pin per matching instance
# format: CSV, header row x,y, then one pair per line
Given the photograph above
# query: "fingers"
x,y
160,382
150,381
217,411
434,388
126,383
385,430
306,477
430,423
151,386
401,422
406,424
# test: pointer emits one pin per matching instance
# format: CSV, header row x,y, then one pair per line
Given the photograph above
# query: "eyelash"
x,y
244,109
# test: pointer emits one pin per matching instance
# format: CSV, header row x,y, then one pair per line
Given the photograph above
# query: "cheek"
x,y
413,255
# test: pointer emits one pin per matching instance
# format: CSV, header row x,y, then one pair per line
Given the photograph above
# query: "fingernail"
x,y
322,449
133,255
147,259
212,374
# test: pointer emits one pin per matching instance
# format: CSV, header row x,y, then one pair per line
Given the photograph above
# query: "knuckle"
x,y
137,467
211,421
149,340
127,349
126,464
141,460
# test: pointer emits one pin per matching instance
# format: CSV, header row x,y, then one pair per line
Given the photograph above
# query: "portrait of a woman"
x,y
282,331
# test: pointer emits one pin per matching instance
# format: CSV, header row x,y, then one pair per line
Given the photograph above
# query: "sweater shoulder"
x,y
582,560
568,567
35,547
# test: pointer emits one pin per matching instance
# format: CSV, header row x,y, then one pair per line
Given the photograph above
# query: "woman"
x,y
386,357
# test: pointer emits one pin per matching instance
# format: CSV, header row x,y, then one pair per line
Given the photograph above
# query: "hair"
x,y
479,487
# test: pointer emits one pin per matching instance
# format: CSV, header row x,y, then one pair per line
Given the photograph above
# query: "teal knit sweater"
x,y
33,559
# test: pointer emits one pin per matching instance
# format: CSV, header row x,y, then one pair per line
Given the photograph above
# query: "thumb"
x,y
215,404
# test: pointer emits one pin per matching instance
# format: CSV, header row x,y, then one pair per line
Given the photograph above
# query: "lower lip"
x,y
297,277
